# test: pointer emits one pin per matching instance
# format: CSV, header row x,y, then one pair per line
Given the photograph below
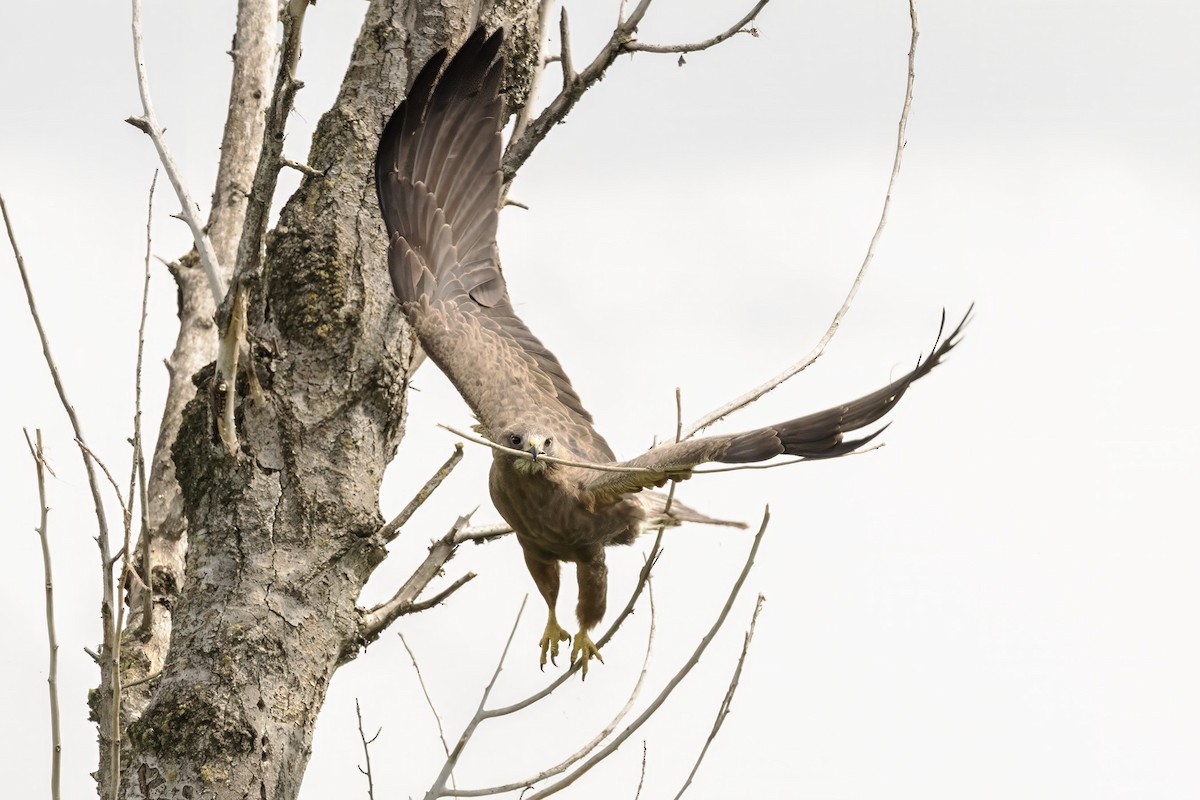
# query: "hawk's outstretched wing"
x,y
437,174
818,435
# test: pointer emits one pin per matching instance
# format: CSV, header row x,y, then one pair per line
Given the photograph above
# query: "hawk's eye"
x,y
515,440
546,444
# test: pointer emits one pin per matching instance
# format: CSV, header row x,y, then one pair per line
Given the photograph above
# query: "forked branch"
x,y
655,704
601,735
377,619
109,634
622,40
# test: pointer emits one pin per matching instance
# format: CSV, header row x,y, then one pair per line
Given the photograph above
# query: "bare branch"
x,y
575,84
425,691
102,541
642,776
642,583
612,746
439,784
231,315
736,28
366,750
392,529
148,123
440,597
479,534
139,460
569,75
376,620
816,352
631,22
39,461
303,169
548,459
599,738
482,714
726,703
270,160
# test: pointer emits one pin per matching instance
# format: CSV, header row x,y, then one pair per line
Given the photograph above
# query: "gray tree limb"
x,y
280,533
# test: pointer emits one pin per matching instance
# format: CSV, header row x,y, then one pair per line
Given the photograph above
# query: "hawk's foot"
x,y
584,649
550,639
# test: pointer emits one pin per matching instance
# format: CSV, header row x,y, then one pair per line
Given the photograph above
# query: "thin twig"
x,y
548,459
642,776
392,529
819,349
736,28
137,467
366,750
575,85
102,541
440,597
39,462
439,784
596,740
148,123
642,583
425,691
569,75
612,746
139,459
89,453
727,702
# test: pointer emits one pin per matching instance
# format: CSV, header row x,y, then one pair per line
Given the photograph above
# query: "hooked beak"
x,y
534,451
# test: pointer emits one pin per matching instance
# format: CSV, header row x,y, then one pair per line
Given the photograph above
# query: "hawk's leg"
x,y
545,575
592,576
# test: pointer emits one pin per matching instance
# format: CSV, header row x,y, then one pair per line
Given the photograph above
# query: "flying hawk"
x,y
439,183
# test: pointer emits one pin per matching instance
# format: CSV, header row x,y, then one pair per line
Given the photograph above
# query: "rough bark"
x,y
145,640
280,539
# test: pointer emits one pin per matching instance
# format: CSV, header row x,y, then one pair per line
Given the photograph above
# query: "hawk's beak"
x,y
533,450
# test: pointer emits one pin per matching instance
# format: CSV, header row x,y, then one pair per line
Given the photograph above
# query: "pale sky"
x,y
1000,603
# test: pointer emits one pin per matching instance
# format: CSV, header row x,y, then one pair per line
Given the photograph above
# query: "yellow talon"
x,y
550,639
585,649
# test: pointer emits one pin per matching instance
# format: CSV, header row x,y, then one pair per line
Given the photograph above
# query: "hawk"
x,y
438,178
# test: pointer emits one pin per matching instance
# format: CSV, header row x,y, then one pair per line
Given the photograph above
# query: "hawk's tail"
x,y
655,504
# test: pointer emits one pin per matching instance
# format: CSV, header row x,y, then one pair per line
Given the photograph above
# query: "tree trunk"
x,y
280,540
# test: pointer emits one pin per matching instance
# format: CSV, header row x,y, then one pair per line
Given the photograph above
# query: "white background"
x,y
1000,603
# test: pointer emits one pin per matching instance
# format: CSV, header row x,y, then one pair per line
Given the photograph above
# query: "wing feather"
x,y
438,180
819,435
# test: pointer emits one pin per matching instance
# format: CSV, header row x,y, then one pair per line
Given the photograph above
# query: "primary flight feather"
x,y
439,184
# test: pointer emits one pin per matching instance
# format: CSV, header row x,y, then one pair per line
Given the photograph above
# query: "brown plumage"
x,y
439,183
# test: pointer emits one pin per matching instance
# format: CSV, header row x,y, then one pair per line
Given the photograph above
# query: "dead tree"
x,y
236,601
263,512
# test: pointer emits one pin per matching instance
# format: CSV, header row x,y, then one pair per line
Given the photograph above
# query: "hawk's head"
x,y
533,442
